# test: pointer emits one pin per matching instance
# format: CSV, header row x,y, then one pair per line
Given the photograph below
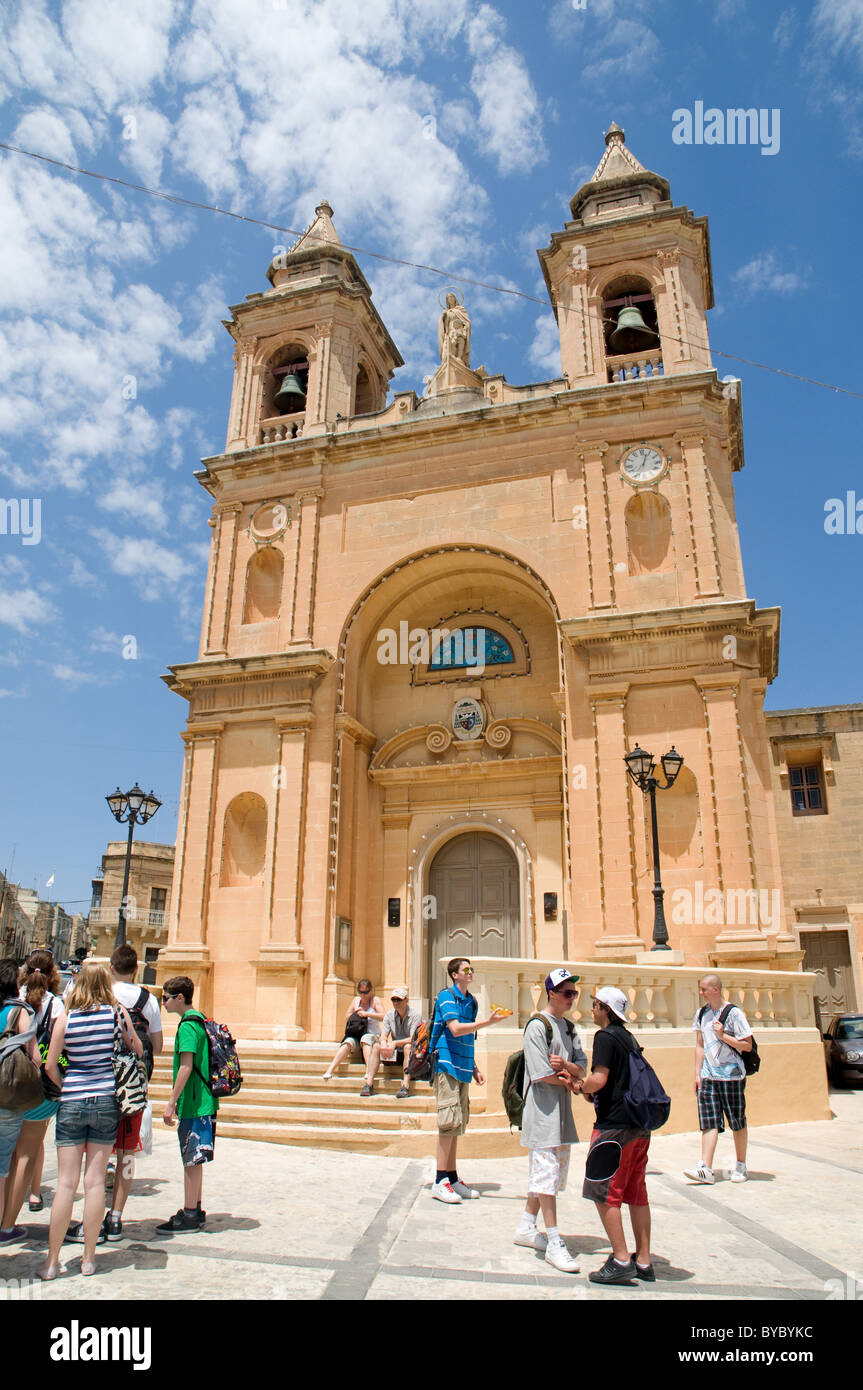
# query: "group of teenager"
x,y
75,1039
556,1069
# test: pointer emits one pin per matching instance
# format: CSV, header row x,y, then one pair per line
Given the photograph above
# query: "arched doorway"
x,y
474,885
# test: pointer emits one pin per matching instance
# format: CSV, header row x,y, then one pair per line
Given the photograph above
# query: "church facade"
x,y
433,628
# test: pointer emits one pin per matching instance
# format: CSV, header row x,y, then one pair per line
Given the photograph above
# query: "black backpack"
x,y
751,1060
142,1028
513,1090
645,1102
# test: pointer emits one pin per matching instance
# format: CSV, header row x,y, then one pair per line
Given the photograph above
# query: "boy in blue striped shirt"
x,y
452,1039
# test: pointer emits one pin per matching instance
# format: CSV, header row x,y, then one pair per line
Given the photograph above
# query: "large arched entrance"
x,y
473,882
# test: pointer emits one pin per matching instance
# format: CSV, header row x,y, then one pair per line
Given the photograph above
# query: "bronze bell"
x,y
632,333
290,396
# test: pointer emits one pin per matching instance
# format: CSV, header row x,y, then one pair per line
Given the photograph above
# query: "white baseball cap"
x,y
400,993
613,999
558,977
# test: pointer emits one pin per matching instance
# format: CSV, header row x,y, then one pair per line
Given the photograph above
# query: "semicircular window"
x,y
470,646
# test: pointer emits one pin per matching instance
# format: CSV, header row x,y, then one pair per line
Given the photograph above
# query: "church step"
x,y
288,1093
478,1142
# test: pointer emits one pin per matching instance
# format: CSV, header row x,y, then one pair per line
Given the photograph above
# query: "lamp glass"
x,y
151,805
136,797
117,803
639,763
671,764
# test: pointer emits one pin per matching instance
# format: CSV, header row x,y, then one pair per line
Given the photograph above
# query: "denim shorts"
x,y
10,1127
87,1120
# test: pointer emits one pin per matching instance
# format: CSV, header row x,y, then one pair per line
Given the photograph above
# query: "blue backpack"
x,y
646,1104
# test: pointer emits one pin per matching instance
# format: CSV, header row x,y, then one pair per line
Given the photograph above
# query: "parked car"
x,y
843,1049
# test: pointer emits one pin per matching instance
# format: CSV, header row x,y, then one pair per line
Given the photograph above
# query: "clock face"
x,y
643,464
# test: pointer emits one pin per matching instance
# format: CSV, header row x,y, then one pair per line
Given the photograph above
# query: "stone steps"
x,y
285,1101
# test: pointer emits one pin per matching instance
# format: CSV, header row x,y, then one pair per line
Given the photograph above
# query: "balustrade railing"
x,y
281,427
659,996
638,366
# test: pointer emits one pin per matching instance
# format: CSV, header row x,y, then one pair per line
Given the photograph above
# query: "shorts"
x,y
398,1054
453,1103
547,1171
10,1127
716,1098
197,1140
87,1120
128,1139
626,1182
366,1038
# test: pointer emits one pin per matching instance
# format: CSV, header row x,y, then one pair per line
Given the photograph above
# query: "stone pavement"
x,y
289,1223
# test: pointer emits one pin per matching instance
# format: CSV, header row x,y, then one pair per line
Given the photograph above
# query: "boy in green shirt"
x,y
192,1103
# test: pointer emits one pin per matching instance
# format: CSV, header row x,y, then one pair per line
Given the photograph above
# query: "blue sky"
x,y
442,131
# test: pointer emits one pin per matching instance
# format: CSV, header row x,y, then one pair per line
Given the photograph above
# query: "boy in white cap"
x,y
397,1032
548,1129
617,1158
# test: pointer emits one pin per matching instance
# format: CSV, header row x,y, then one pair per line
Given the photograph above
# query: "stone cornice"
x,y
691,630
583,405
504,769
307,665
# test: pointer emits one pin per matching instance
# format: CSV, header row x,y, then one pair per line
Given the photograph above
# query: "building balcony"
x,y
638,366
151,917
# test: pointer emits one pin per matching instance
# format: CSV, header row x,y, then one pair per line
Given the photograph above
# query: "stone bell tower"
x,y
629,248
317,328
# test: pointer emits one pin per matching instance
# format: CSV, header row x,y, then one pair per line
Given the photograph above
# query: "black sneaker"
x,y
181,1222
402,1092
645,1273
75,1234
113,1226
613,1273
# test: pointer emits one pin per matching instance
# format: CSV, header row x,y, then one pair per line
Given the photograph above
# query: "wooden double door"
x,y
474,884
828,953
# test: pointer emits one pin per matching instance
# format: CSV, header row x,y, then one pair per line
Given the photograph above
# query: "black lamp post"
x,y
137,808
640,766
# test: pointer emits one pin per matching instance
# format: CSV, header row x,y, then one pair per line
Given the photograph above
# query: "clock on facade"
x,y
642,464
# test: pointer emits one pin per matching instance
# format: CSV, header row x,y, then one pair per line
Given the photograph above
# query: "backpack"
x,y
224,1077
142,1028
751,1060
130,1074
20,1078
420,1066
356,1027
43,1042
513,1089
645,1102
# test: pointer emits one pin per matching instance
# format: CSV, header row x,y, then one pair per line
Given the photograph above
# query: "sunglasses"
x,y
567,993
467,970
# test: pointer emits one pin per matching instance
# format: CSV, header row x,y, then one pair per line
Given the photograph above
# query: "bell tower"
x,y
312,349
629,277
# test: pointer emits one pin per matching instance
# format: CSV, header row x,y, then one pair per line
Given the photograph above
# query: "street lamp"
x,y
136,808
640,766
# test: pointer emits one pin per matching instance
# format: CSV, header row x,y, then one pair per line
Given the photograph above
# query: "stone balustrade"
x,y
280,427
661,997
639,366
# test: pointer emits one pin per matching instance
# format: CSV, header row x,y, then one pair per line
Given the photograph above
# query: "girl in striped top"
x,y
89,1113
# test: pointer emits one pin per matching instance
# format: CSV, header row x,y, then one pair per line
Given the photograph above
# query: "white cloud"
x,y
72,676
101,640
142,501
840,23
44,132
509,117
25,609
765,274
785,29
155,568
544,351
626,49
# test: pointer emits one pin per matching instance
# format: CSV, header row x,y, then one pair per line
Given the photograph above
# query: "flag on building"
x,y
50,882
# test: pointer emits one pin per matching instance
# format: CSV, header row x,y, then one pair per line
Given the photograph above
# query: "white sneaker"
x,y
443,1191
468,1194
740,1174
558,1256
533,1239
699,1174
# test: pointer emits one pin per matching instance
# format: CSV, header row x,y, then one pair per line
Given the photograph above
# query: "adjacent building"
x,y
817,770
147,900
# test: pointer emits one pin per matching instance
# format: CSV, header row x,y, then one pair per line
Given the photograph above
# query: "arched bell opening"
x,y
630,329
367,393
286,382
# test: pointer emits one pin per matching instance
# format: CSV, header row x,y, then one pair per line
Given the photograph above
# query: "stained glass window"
x,y
471,646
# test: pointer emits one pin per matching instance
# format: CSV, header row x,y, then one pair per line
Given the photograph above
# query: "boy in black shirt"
x,y
617,1157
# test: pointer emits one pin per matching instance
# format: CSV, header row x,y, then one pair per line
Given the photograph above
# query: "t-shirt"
x,y
547,1120
196,1098
721,1062
127,994
608,1051
58,1009
454,1055
89,1047
400,1028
